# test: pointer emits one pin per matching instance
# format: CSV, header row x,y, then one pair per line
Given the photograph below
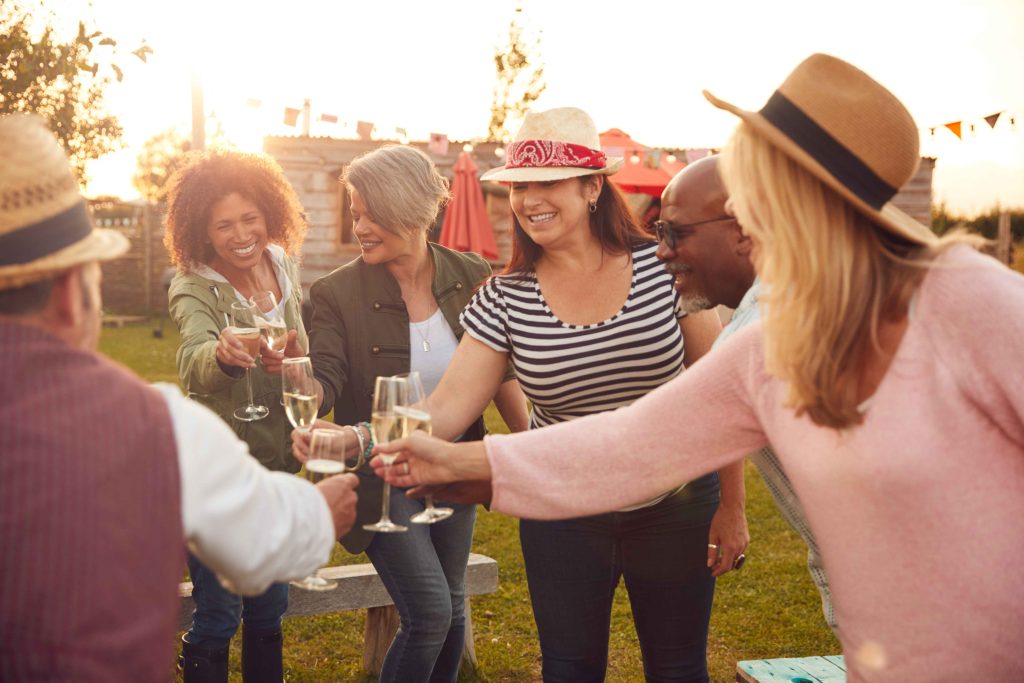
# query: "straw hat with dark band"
x,y
849,131
45,226
554,145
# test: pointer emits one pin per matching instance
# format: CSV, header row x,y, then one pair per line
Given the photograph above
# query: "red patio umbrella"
x,y
642,177
466,225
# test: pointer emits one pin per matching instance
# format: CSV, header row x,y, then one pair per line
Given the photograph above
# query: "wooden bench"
x,y
359,587
122,320
831,669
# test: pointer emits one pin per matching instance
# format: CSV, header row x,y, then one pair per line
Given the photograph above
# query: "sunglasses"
x,y
671,233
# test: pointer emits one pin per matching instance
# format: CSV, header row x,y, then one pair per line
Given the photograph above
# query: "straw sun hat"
x,y
849,131
553,145
45,226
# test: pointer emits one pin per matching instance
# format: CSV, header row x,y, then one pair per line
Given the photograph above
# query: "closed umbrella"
x,y
466,225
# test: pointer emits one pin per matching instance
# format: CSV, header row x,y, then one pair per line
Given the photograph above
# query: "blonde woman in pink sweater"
x,y
888,375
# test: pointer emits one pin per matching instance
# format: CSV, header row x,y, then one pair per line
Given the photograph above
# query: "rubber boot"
x,y
203,664
261,656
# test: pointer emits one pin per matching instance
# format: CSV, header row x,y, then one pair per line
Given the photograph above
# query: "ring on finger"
x,y
406,467
740,560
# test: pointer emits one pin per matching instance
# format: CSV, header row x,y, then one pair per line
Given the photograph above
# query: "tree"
x,y
161,156
61,79
520,74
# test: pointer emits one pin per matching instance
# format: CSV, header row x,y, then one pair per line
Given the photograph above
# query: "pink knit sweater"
x,y
919,511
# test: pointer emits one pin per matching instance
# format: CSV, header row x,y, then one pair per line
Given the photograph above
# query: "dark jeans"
x,y
424,571
219,612
573,567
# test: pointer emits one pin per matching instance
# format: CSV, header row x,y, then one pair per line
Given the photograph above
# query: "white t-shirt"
x,y
432,333
250,525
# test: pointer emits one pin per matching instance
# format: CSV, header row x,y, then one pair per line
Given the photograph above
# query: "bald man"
x,y
704,246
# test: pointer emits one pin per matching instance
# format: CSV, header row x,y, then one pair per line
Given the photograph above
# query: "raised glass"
x,y
418,418
387,424
243,326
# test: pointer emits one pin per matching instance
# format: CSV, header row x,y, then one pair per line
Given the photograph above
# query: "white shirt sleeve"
x,y
250,525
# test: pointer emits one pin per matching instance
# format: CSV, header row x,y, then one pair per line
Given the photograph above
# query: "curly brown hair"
x,y
209,176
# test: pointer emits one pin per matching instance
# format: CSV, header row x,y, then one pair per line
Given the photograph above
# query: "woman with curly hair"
x,y
232,221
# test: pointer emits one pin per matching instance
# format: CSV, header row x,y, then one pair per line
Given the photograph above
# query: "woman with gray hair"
x,y
395,309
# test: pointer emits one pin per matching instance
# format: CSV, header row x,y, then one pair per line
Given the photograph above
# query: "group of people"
x,y
874,382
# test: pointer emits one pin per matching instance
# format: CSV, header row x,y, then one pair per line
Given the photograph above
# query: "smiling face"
x,y
710,258
237,232
550,212
378,245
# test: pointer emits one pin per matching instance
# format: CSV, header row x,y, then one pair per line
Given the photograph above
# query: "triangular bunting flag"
x,y
291,116
992,118
438,144
955,128
364,129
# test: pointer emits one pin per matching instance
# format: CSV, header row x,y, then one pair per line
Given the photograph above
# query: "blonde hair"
x,y
832,277
400,186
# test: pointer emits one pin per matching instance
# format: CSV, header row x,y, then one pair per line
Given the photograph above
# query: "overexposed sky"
x,y
638,65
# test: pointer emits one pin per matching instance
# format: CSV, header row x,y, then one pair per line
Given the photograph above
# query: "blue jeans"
x,y
218,612
573,567
424,571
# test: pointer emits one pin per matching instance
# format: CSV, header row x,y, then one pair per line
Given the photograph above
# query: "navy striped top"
x,y
568,371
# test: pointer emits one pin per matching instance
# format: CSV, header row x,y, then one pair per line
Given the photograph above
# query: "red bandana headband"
x,y
552,153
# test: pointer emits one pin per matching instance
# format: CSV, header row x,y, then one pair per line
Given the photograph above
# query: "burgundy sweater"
x,y
91,547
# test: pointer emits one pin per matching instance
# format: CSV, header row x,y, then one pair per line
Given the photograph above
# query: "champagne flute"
x,y
417,417
387,424
270,320
327,457
299,391
243,326
300,407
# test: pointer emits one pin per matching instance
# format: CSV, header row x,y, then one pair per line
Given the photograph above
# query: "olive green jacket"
x,y
201,308
360,330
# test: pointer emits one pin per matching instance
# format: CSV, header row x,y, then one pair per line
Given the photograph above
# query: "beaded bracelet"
x,y
369,442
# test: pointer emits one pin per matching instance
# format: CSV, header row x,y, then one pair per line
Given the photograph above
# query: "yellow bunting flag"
x,y
291,116
955,128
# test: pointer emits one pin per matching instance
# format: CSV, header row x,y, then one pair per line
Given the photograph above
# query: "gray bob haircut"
x,y
400,187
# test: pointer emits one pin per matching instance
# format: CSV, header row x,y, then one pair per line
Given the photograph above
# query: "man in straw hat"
x,y
703,245
885,374
103,476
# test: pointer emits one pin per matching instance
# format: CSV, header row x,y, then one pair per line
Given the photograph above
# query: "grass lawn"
x,y
770,609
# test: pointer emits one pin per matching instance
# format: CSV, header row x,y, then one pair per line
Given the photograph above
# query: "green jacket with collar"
x,y
201,308
360,330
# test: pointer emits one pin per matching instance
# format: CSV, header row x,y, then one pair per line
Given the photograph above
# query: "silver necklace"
x,y
425,339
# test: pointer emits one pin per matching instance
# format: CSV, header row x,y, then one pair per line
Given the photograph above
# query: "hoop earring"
x,y
592,206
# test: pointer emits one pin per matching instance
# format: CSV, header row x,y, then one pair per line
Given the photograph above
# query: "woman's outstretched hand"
x,y
231,352
272,358
423,459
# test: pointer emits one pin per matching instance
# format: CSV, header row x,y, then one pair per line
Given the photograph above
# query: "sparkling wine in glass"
x,y
417,418
270,320
328,455
243,326
299,392
387,424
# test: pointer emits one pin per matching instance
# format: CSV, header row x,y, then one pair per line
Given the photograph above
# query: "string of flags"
x,y
438,142
957,128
